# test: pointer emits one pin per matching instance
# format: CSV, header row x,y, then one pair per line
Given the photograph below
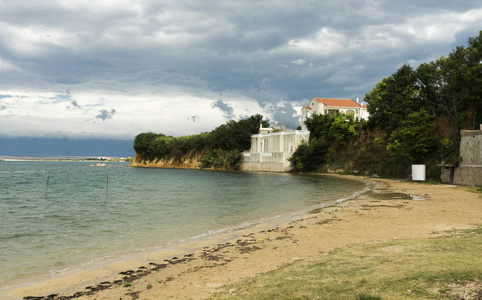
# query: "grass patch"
x,y
448,267
479,189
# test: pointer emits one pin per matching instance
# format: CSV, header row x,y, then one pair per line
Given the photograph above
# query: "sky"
x,y
113,69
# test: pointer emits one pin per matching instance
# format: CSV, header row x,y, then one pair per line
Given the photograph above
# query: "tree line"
x,y
221,148
416,115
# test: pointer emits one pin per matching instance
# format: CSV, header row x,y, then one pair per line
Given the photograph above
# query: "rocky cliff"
x,y
191,162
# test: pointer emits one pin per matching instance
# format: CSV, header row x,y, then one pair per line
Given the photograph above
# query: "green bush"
x,y
309,157
415,138
327,132
221,159
331,127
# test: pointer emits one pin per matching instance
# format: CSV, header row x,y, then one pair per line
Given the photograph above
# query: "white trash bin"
x,y
418,172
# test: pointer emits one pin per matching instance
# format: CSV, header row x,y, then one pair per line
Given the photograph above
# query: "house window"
x,y
350,112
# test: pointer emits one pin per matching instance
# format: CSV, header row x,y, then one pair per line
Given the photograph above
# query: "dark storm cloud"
x,y
75,104
226,108
275,52
105,114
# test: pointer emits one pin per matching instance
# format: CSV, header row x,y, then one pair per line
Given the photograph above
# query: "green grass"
x,y
479,189
439,268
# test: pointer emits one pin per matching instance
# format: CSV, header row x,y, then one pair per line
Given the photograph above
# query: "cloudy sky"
x,y
113,68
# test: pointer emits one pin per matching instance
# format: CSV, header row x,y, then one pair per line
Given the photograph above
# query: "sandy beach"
x,y
389,210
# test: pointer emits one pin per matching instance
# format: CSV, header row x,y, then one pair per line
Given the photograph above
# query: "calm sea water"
x,y
87,213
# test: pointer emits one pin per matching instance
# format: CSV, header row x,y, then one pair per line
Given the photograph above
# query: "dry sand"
x,y
390,210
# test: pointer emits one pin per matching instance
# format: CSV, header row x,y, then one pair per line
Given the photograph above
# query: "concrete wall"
x,y
471,176
447,174
471,147
265,166
470,170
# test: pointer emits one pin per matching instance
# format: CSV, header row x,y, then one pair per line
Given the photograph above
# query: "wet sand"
x,y
389,210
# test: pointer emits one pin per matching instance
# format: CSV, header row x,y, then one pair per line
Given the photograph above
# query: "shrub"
x,y
309,157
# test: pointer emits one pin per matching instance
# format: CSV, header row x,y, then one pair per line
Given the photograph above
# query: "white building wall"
x,y
364,114
270,152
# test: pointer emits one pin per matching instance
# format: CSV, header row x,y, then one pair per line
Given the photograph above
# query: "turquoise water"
x,y
58,215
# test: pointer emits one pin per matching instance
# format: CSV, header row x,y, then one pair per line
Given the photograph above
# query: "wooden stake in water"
x,y
107,185
47,185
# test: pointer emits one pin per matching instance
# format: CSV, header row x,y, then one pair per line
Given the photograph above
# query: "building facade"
x,y
324,106
270,151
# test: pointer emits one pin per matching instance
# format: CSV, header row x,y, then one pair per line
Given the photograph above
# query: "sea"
x,y
59,216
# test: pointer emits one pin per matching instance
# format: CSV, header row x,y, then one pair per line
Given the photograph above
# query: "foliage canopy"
x,y
220,148
416,116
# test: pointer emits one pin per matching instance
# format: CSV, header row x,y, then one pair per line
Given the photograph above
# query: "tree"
x,y
342,127
220,148
474,72
415,138
235,134
429,86
452,84
393,98
336,127
325,131
309,157
142,144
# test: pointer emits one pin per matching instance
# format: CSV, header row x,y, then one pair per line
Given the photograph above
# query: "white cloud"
x,y
7,66
326,41
439,27
116,114
34,41
299,62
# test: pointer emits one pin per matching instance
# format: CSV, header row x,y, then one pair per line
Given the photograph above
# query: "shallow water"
x,y
59,215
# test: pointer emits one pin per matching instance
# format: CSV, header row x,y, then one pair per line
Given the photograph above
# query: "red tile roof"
x,y
338,102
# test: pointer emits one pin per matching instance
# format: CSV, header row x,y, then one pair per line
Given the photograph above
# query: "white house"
x,y
329,106
270,151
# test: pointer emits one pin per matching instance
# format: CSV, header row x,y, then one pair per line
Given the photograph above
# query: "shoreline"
x,y
208,265
104,268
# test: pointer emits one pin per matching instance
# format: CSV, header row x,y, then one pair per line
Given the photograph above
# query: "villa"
x,y
324,106
271,151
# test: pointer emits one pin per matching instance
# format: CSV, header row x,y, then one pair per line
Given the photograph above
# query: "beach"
x,y
389,210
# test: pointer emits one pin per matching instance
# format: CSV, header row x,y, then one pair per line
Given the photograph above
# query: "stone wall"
x,y
447,174
470,170
471,148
